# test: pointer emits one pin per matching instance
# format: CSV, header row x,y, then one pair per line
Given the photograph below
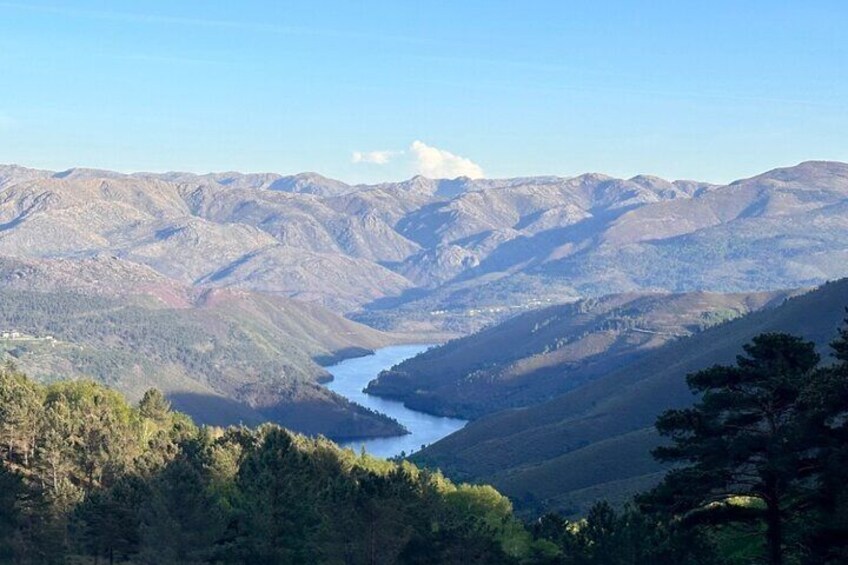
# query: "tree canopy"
x,y
761,447
759,473
86,474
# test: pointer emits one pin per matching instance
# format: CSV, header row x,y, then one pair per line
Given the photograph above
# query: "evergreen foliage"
x,y
763,452
761,475
87,476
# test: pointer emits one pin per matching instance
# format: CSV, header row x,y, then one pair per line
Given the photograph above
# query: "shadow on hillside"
x,y
213,410
536,249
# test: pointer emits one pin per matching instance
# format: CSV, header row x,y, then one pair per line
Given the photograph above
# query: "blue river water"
x,y
351,376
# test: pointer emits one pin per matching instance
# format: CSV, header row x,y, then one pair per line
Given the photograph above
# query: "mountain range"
x,y
440,256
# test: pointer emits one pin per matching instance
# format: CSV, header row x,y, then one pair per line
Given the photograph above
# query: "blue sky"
x,y
369,91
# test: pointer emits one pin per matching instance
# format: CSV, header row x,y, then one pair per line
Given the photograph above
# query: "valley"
x,y
350,377
252,282
534,356
570,311
419,283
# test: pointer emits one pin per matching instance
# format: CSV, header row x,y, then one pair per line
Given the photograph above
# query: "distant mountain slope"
x,y
427,255
534,356
594,440
303,183
195,235
223,356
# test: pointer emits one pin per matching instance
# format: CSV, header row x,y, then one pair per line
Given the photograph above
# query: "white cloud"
x,y
423,159
437,163
374,157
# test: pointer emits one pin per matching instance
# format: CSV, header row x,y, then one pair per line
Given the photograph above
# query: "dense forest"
x,y
87,475
761,475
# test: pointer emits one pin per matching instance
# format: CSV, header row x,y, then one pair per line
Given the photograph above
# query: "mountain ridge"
x,y
563,453
448,255
533,356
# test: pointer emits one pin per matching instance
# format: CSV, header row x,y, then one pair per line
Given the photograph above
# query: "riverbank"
x,y
351,376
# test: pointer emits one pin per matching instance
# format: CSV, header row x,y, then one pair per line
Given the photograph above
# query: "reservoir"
x,y
351,376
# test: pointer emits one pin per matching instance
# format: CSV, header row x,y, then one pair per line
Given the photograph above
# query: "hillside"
x,y
85,475
222,356
439,256
594,441
534,356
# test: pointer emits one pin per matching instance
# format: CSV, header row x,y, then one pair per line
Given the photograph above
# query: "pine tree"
x,y
742,441
278,515
154,406
180,521
108,520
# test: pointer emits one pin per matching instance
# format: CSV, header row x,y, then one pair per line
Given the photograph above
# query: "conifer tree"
x,y
826,406
742,444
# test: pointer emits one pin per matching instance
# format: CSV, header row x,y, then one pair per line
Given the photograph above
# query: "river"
x,y
351,376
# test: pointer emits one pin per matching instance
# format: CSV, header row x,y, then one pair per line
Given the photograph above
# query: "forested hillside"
x,y
593,442
760,476
228,290
223,356
534,356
